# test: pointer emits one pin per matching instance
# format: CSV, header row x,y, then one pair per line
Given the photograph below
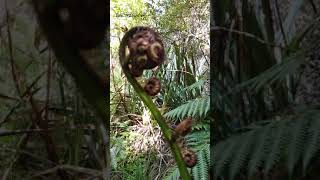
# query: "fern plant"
x,y
198,140
292,141
196,108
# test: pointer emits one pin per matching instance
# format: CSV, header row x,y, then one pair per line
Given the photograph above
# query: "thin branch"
x,y
314,7
24,131
173,70
22,141
280,23
3,96
77,169
12,62
48,88
25,94
249,35
42,159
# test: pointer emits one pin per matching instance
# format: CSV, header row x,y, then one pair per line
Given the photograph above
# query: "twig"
x,y
249,35
173,70
27,93
313,6
3,96
77,169
48,88
12,63
42,159
22,141
280,23
23,131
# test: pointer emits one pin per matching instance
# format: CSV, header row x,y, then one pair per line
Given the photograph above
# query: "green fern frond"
x,y
173,174
243,154
225,158
263,140
201,170
297,142
313,142
198,139
201,126
197,85
196,107
294,139
276,73
282,138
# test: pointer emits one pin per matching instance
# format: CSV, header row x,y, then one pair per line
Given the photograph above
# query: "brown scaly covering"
x,y
152,86
145,50
184,127
189,157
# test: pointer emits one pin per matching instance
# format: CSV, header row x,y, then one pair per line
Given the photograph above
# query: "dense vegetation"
x,y
137,146
265,103
262,75
52,126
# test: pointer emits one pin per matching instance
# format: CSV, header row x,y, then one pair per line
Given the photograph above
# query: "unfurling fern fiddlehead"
x,y
142,48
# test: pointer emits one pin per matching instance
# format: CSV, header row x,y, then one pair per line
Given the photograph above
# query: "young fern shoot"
x,y
141,49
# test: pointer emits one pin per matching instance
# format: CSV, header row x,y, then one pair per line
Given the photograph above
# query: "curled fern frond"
x,y
145,40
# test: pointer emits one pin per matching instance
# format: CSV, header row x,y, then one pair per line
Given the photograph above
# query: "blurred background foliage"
x,y
47,129
264,89
137,147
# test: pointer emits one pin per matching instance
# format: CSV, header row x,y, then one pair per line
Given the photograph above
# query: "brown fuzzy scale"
x,y
145,42
184,127
135,70
152,86
136,67
189,157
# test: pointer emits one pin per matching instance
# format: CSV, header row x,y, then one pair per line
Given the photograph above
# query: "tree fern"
x,y
290,140
196,107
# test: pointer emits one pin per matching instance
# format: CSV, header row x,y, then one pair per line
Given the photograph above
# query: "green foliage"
x,y
197,85
186,63
200,171
275,74
173,174
133,166
137,11
199,142
291,140
255,77
196,108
